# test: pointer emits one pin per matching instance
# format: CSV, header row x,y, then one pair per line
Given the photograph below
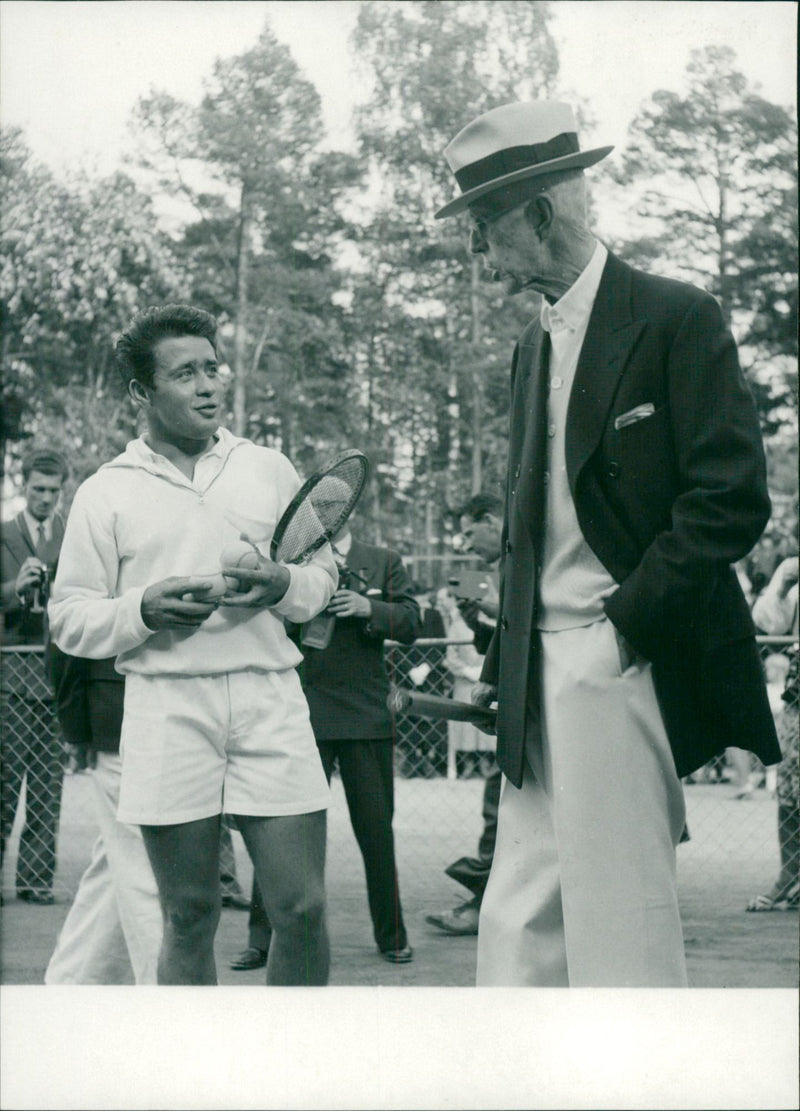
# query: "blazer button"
x,y
504,624
613,469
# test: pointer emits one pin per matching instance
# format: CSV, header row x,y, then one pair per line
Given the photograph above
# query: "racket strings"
x,y
323,510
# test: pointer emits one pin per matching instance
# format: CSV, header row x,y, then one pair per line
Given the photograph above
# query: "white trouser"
x,y
583,889
114,925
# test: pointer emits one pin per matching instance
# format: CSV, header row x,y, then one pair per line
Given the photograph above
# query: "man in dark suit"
x,y
624,656
31,748
346,685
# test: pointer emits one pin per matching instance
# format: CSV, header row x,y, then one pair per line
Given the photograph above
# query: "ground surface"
x,y
365,1044
731,856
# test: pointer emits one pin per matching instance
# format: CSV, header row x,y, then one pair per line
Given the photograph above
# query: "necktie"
x,y
41,544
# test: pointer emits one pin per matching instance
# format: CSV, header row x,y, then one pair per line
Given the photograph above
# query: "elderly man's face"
x,y
511,250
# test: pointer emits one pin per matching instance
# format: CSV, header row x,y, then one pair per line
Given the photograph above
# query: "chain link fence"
x,y
453,760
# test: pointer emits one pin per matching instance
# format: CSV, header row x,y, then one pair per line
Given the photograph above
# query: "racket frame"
x,y
310,483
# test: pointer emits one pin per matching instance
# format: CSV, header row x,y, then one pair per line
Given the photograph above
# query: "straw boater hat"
x,y
511,143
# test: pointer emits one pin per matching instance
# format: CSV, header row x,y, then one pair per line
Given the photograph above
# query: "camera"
x,y
36,596
470,585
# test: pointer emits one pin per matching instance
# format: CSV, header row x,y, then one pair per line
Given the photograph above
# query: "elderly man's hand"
x,y
259,587
484,694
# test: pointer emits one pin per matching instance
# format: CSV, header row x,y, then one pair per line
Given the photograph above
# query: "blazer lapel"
x,y
532,394
610,337
18,540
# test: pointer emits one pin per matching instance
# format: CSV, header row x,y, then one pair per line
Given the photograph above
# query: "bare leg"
x,y
288,854
185,861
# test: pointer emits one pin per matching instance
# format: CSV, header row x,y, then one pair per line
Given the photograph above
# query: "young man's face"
x,y
483,536
185,404
41,494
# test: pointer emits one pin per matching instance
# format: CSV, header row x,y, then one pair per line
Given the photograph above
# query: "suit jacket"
x,y
20,626
346,684
666,468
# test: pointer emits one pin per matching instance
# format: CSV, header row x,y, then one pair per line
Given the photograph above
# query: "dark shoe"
x,y
398,956
42,898
459,922
236,901
249,958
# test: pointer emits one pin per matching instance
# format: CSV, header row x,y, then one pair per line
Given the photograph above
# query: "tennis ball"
x,y
238,554
218,588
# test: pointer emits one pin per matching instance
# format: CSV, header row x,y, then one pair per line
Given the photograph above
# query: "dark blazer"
x,y
667,502
20,626
346,684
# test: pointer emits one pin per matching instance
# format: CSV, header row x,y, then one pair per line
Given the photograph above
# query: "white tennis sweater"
x,y
139,520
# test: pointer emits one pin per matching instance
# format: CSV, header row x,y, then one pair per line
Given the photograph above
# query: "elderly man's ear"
x,y
539,213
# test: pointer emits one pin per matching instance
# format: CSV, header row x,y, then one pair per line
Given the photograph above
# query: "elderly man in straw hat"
x,y
624,656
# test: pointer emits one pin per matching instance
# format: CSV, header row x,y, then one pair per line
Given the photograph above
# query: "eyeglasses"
x,y
479,224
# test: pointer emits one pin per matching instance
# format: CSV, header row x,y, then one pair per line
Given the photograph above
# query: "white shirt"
x,y
139,520
34,525
573,582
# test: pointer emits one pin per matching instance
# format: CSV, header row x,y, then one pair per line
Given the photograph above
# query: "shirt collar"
x,y
573,308
342,546
33,526
216,447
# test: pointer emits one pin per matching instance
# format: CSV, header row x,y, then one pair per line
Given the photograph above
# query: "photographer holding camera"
x,y
31,747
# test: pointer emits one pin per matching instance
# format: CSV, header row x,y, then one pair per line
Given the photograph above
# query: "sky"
x,y
71,72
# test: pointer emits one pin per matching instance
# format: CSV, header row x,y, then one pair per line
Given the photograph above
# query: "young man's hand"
x,y
259,588
165,605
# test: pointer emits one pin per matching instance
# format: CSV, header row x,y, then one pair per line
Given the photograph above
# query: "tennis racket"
x,y
401,701
320,507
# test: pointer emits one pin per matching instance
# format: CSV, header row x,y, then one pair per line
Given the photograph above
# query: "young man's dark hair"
x,y
134,348
44,462
479,505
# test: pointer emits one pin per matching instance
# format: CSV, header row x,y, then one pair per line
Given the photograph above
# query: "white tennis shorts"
x,y
193,746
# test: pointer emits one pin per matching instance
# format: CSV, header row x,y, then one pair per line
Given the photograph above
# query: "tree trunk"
x,y
240,331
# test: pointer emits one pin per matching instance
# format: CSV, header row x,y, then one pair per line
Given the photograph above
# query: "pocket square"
x,y
634,415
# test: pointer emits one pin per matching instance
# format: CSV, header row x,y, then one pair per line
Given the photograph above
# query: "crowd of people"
x,y
608,627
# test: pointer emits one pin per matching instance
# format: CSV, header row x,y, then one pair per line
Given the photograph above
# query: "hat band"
x,y
506,161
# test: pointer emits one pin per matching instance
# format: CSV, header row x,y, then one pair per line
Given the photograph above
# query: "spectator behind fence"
x,y
213,707
776,613
31,751
114,926
636,478
467,746
481,523
346,684
421,743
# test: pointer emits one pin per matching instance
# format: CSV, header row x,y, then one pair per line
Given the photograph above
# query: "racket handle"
x,y
402,701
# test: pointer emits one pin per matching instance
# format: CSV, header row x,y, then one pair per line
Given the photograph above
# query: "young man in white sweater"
x,y
214,716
